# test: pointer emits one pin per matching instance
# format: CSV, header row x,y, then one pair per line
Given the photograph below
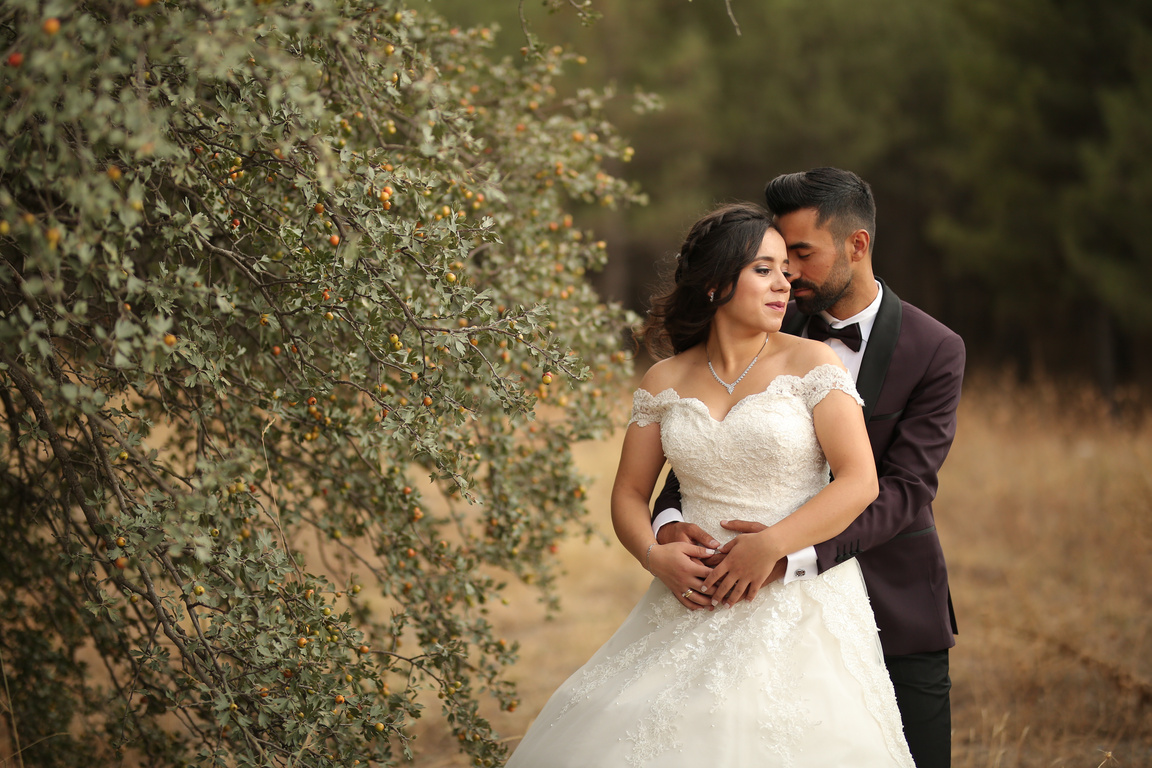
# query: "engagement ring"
x,y
686,593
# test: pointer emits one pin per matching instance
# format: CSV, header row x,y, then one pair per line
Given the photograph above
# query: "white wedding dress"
x,y
793,678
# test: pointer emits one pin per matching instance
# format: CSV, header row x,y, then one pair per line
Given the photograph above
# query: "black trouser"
x,y
922,686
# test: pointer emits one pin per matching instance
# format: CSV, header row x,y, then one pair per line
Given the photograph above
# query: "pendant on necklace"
x,y
732,386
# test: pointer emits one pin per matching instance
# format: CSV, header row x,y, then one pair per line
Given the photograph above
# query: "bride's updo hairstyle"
x,y
716,250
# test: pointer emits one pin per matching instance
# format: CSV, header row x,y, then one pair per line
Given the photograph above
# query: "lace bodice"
x,y
760,462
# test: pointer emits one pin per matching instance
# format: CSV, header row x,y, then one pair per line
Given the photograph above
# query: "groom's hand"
x,y
687,533
742,526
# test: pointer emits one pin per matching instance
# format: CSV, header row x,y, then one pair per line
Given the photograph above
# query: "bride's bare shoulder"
x,y
667,373
806,354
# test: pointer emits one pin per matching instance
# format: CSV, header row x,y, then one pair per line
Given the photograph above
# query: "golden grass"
x,y
1044,511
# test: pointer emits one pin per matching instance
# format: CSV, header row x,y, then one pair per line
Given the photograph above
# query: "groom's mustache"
x,y
801,284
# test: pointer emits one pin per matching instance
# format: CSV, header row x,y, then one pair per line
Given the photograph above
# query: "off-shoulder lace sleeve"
x,y
648,408
822,379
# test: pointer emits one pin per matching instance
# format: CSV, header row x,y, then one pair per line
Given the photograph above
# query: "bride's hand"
x,y
751,561
678,566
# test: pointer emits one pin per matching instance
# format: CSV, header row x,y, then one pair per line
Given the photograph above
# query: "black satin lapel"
x,y
881,346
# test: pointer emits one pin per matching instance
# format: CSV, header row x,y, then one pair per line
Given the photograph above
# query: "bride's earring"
x,y
711,295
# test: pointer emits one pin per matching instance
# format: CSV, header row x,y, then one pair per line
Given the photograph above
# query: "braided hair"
x,y
716,250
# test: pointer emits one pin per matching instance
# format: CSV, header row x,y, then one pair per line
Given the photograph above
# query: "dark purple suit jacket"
x,y
910,380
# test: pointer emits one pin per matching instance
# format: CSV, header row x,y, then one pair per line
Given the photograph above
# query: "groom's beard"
x,y
825,295
822,297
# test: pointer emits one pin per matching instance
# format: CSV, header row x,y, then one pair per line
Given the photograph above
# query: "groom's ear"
x,y
859,244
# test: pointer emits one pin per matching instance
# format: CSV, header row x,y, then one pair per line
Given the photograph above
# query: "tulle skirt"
x,y
794,678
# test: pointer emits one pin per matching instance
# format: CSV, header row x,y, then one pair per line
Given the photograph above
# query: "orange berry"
x,y
335,239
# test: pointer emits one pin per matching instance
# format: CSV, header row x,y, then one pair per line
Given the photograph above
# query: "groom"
x,y
908,369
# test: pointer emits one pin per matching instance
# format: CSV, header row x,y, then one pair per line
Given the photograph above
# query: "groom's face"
x,y
821,272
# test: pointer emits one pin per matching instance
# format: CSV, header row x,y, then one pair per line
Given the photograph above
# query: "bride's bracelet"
x,y
648,558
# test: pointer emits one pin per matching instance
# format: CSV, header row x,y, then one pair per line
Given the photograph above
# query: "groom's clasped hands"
x,y
704,574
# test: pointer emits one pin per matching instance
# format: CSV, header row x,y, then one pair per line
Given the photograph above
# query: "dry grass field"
x,y
1044,511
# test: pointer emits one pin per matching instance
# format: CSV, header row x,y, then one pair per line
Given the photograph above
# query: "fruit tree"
x,y
294,345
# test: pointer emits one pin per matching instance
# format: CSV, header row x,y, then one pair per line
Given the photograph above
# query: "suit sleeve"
x,y
669,497
908,470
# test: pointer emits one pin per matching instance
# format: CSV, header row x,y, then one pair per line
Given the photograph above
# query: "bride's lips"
x,y
779,306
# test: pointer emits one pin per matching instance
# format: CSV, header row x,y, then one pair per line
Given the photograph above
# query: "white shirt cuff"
x,y
670,515
801,565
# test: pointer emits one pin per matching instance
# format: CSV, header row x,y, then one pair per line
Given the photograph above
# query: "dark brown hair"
x,y
716,250
843,201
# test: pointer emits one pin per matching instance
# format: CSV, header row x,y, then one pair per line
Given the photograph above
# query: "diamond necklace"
x,y
725,384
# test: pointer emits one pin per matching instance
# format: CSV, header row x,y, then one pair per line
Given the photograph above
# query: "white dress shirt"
x,y
802,564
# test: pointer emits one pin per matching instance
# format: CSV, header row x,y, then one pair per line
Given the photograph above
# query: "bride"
x,y
728,666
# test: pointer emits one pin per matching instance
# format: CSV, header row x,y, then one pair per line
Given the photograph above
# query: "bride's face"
x,y
762,288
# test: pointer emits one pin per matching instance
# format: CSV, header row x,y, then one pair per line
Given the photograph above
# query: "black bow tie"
x,y
819,330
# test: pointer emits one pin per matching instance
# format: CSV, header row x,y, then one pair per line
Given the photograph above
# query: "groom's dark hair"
x,y
843,201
